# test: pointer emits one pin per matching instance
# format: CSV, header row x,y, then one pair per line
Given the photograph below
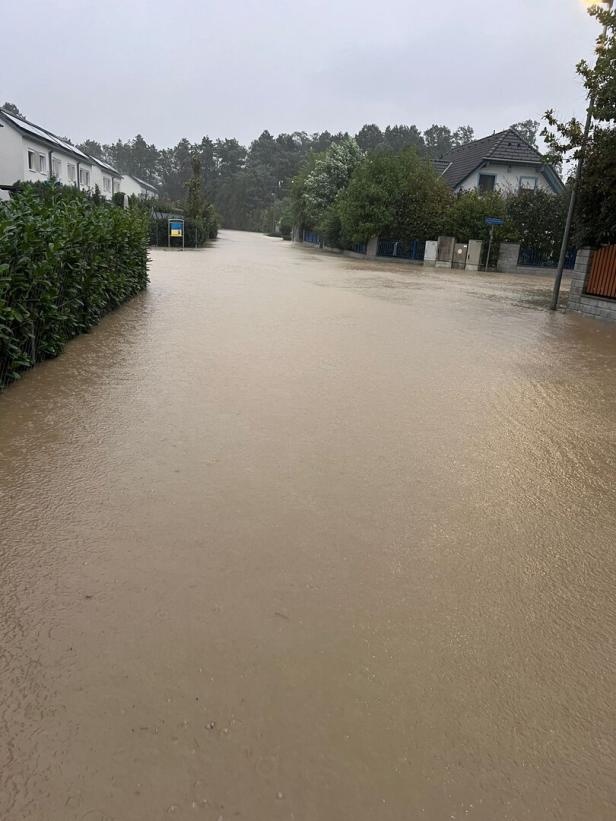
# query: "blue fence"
x,y
312,237
360,248
531,258
402,249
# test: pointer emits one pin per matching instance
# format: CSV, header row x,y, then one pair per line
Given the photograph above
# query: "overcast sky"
x,y
172,68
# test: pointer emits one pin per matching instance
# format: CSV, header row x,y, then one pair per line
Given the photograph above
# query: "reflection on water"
x,y
274,550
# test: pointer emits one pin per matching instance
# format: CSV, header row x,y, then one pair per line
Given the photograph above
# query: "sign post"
x,y
175,230
491,221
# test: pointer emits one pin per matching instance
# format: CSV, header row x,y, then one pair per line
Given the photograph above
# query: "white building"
x,y
30,153
502,162
134,186
105,177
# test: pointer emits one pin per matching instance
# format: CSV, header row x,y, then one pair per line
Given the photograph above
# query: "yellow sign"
x,y
176,232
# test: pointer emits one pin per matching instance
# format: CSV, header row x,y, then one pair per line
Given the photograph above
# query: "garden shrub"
x,y
66,259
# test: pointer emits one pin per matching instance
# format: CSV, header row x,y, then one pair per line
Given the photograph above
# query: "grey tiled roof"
x,y
441,165
506,147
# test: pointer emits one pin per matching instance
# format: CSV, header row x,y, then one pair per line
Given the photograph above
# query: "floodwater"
x,y
292,536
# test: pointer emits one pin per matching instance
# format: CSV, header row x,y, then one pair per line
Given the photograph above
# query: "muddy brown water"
x,y
292,536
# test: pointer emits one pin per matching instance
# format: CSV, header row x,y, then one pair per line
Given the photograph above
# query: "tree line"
x,y
248,186
348,196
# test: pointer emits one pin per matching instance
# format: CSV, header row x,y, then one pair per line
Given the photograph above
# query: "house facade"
x,y
29,153
105,177
139,188
503,162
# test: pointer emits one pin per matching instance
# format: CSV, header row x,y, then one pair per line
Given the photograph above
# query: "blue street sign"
x,y
494,221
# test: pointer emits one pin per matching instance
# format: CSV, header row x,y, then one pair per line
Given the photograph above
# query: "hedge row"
x,y
66,259
195,234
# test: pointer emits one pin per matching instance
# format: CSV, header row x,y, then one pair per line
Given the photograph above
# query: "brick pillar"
x,y
578,278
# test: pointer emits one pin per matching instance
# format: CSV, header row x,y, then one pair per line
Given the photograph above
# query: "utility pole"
x,y
574,191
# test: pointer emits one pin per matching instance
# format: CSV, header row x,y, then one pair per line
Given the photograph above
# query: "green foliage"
x,y
439,140
65,261
596,212
567,138
535,219
463,135
11,108
600,80
528,129
328,176
393,195
466,218
200,213
195,235
247,186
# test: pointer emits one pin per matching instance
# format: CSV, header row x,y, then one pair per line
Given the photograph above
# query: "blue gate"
x,y
312,237
532,258
402,249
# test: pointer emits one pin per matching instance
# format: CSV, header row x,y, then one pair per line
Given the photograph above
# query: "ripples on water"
x,y
349,545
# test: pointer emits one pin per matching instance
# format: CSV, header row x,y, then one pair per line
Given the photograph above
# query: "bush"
x,y
393,195
205,230
66,259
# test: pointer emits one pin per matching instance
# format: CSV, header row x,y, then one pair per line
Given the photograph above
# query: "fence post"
x,y
508,257
578,278
372,247
445,251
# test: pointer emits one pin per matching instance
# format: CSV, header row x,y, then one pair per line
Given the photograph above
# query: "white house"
x,y
105,177
502,162
133,185
31,153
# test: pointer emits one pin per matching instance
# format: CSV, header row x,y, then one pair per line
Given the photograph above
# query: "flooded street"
x,y
295,536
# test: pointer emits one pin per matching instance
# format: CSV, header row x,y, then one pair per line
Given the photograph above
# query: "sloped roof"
x,y
504,147
142,182
32,130
441,166
105,166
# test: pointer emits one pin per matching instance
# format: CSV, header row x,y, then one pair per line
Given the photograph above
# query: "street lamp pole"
x,y
574,191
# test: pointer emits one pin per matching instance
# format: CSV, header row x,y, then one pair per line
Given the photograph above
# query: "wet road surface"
x,y
292,536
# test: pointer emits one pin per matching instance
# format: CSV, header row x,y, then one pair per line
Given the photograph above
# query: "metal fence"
x,y
402,249
532,258
312,237
360,248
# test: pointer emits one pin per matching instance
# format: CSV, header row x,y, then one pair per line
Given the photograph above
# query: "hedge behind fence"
x,y
66,259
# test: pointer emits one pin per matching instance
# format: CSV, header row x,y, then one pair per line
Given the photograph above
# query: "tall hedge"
x,y
66,259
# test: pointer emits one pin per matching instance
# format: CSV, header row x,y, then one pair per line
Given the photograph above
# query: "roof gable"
x,y
503,147
34,131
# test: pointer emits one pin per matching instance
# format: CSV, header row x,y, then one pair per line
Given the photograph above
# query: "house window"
x,y
56,167
32,161
42,163
70,170
528,183
116,186
107,184
84,177
487,183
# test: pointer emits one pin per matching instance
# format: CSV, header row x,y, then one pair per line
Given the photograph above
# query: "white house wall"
x,y
98,178
14,148
11,160
507,177
130,186
65,161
